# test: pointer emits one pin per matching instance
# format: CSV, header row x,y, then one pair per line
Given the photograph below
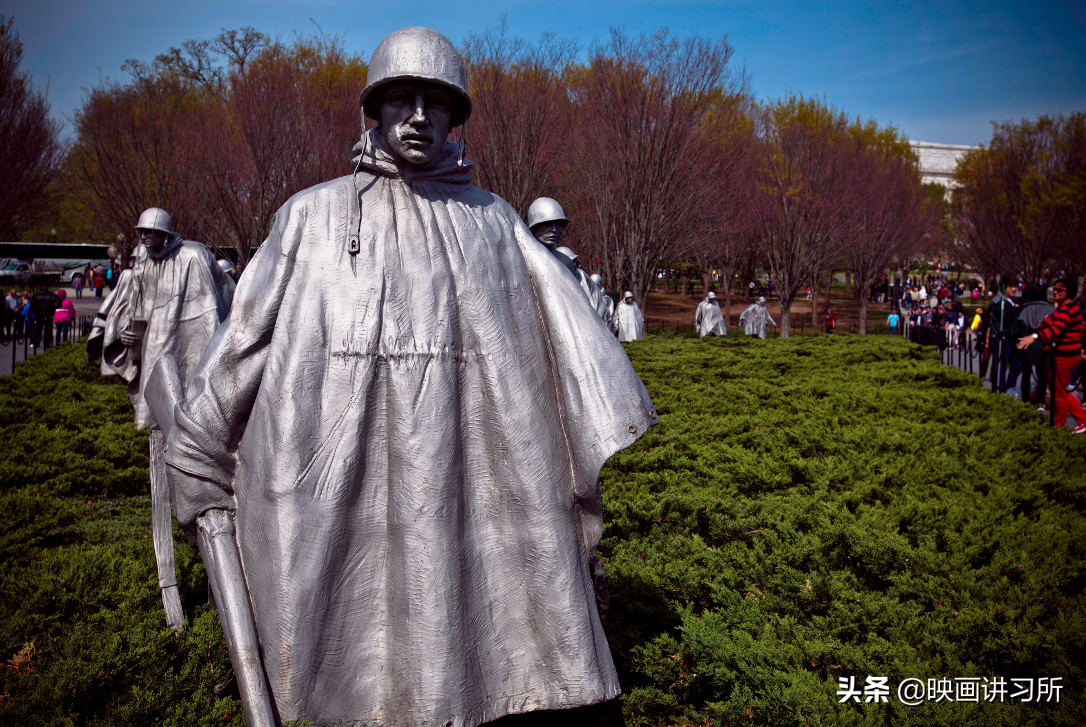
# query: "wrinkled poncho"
x,y
183,296
606,307
411,439
628,322
755,319
595,295
709,320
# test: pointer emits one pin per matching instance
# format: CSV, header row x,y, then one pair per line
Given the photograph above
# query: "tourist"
x,y
63,316
40,314
829,321
892,320
1035,309
1002,314
1062,331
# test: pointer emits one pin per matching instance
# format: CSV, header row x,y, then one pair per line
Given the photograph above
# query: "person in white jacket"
x,y
629,324
709,320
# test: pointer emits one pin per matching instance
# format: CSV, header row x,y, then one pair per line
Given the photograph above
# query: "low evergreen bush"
x,y
807,510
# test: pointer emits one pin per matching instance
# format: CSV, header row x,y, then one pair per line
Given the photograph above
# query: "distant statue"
x,y
709,320
547,221
605,306
755,319
168,304
628,323
396,436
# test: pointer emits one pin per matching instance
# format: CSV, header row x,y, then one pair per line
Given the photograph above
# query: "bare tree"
x,y
798,207
1019,196
128,152
519,127
887,215
31,152
642,123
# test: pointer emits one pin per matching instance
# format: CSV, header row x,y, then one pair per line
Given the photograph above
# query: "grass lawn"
x,y
807,510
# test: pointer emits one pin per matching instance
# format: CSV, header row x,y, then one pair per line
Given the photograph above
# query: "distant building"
x,y
938,161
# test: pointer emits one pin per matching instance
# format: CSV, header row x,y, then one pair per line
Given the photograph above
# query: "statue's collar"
x,y
371,153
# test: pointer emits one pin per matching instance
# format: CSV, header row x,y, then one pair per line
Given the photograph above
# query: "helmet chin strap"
x,y
463,144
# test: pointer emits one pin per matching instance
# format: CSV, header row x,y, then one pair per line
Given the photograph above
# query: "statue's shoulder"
x,y
191,251
319,195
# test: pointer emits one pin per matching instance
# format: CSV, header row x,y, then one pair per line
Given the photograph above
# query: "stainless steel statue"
x,y
400,429
605,306
709,320
547,221
628,322
755,318
168,304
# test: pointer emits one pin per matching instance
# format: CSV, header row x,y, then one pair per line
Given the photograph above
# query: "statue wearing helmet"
x,y
628,322
168,304
709,320
405,414
547,221
605,305
755,319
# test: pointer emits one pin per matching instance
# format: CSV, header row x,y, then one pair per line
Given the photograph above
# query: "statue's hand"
x,y
130,339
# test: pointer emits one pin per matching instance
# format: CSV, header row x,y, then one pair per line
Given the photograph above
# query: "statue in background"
x,y
168,304
755,319
628,323
605,306
709,320
399,430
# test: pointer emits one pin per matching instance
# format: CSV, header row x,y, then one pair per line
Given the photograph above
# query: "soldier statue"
x,y
394,440
168,304
628,322
709,320
755,318
547,221
605,306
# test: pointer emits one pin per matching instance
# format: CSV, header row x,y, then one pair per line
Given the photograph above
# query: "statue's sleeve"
x,y
220,394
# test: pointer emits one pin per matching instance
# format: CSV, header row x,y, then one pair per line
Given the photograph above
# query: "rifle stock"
x,y
219,549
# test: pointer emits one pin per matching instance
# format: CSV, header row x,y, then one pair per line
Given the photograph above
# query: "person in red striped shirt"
x,y
1061,333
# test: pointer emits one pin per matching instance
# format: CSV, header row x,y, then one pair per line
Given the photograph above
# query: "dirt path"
x,y
673,311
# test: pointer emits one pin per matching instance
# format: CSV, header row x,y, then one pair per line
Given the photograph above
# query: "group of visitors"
x,y
1035,349
45,316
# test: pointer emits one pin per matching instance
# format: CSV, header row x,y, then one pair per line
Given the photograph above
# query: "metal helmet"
x,y
226,265
627,295
761,299
545,209
154,218
596,278
567,252
417,54
711,295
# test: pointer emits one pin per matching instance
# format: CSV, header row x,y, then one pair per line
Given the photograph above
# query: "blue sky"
x,y
939,71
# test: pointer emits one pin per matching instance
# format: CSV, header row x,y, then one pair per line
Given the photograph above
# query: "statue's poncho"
x,y
412,437
755,319
709,320
184,294
628,322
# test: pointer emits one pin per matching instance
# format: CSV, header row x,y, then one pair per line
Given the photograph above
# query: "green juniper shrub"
x,y
808,509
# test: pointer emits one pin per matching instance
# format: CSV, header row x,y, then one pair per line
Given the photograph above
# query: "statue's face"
x,y
153,240
414,119
549,233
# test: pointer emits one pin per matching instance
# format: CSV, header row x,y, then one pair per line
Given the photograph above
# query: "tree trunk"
x,y
863,315
785,321
686,282
704,283
814,301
